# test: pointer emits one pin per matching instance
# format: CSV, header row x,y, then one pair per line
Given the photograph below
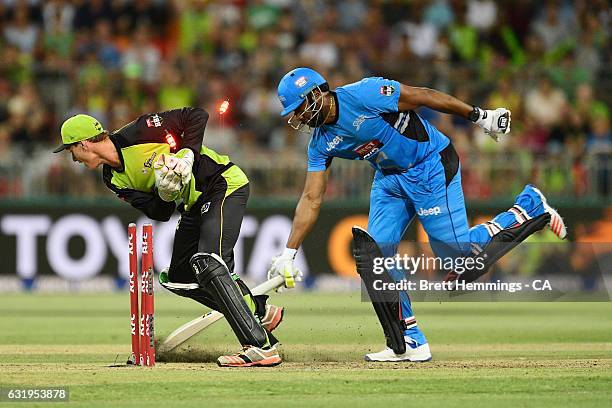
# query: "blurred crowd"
x,y
549,62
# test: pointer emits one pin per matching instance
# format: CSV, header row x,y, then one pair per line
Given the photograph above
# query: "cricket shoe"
x,y
556,223
419,354
251,356
273,317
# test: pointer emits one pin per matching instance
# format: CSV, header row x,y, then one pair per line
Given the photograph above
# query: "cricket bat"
x,y
190,329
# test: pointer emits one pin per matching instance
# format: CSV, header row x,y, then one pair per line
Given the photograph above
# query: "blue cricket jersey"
x,y
369,127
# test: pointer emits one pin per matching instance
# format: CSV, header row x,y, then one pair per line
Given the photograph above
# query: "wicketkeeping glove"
x,y
184,164
282,265
167,181
494,122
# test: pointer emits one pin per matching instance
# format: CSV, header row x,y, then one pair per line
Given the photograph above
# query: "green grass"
x,y
485,354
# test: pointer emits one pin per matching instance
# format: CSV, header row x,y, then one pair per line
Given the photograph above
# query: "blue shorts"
x,y
430,190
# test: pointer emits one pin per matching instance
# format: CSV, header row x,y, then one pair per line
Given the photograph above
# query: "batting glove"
x,y
494,122
282,265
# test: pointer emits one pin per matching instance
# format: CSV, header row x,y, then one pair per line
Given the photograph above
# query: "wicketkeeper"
x,y
158,161
418,173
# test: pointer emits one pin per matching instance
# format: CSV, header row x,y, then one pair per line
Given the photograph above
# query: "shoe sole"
x,y
399,360
556,223
267,362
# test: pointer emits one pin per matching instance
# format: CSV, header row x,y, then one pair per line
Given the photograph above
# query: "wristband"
x,y
289,253
474,115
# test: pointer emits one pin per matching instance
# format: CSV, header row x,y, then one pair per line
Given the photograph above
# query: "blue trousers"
x,y
432,191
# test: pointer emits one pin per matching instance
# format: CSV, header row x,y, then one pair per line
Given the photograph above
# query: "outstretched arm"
x,y
492,121
306,214
414,97
307,210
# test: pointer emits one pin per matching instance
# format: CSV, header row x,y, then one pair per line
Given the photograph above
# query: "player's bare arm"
x,y
494,122
307,210
412,97
306,214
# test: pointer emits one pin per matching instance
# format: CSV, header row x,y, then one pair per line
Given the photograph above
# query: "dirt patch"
x,y
63,348
345,353
603,364
487,364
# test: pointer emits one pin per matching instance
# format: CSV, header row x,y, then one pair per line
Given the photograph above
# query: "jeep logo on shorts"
x,y
425,212
369,149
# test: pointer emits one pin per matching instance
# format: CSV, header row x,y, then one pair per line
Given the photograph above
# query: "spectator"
x,y
481,14
550,28
320,49
351,14
600,137
58,15
21,30
142,56
58,36
107,52
88,12
61,56
439,13
421,36
262,14
463,38
195,23
173,91
545,104
506,95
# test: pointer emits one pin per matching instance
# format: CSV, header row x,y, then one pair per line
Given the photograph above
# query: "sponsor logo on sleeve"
x,y
367,150
387,90
154,121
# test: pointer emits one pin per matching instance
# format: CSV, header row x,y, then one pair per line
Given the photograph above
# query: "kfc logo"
x,y
367,150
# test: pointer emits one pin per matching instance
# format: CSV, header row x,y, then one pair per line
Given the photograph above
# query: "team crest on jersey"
x,y
149,163
367,150
358,121
387,90
154,121
205,207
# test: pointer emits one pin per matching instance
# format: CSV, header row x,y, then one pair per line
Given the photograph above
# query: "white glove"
x,y
167,181
282,265
184,164
494,122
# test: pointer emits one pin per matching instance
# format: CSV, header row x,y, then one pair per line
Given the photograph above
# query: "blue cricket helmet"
x,y
295,85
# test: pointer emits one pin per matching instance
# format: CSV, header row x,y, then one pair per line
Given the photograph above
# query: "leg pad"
x,y
213,275
502,243
386,303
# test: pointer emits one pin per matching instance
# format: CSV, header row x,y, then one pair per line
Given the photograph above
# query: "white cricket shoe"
x,y
415,355
556,223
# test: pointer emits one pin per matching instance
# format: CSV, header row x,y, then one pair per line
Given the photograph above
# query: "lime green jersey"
x,y
142,141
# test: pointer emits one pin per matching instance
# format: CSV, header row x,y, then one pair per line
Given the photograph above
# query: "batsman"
x,y
417,173
158,162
